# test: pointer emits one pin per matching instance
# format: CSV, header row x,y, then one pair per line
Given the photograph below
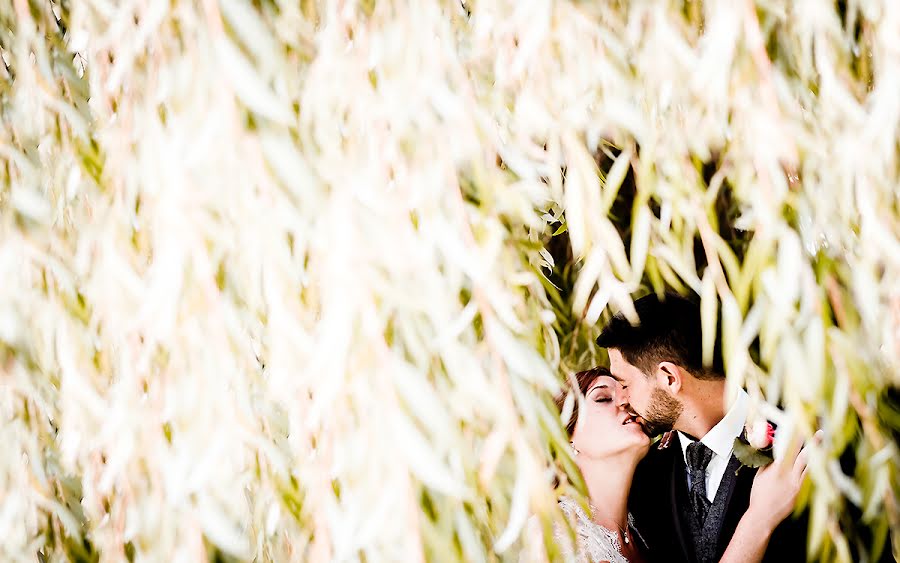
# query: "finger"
x,y
793,449
665,440
800,464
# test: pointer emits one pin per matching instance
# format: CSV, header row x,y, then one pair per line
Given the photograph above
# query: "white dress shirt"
x,y
720,440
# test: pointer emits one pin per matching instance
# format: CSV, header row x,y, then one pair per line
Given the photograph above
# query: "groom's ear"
x,y
669,376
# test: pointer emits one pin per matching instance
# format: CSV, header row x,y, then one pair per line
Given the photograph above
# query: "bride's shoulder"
x,y
592,543
570,508
561,535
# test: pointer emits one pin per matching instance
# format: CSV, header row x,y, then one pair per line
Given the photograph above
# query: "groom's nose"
x,y
622,399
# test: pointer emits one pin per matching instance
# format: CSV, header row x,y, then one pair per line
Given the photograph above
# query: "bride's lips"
x,y
634,418
630,419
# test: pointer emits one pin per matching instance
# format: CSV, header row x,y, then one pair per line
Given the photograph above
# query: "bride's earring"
x,y
574,449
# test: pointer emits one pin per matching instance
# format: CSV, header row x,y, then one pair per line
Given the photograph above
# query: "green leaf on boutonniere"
x,y
750,456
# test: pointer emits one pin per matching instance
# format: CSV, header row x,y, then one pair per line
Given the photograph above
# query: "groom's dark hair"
x,y
669,331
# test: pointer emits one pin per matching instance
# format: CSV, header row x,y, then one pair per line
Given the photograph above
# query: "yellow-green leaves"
x,y
297,280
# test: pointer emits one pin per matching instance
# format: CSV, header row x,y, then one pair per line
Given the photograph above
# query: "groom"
x,y
688,497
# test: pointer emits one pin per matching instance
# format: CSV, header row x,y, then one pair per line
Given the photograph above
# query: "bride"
x,y
608,444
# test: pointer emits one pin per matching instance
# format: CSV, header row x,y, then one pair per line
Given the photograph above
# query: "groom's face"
x,y
641,394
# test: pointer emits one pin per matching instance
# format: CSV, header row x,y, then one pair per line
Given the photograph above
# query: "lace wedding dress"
x,y
595,543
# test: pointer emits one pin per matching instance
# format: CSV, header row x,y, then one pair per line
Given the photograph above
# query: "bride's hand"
x,y
772,498
776,486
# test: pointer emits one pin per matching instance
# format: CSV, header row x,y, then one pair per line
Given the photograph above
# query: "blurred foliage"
x,y
296,281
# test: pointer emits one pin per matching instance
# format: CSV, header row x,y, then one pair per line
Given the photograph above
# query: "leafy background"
x,y
297,280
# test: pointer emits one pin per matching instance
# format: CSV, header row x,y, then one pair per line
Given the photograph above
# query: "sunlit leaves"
x,y
289,280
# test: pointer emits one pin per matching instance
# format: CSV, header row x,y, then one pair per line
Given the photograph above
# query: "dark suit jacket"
x,y
660,489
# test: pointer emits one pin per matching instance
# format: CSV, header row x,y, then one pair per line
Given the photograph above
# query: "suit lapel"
x,y
678,491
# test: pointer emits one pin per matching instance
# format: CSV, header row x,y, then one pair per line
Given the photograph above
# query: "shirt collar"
x,y
720,439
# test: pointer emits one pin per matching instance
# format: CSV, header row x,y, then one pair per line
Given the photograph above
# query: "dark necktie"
x,y
698,458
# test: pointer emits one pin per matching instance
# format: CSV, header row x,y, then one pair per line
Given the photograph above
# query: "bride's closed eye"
x,y
602,395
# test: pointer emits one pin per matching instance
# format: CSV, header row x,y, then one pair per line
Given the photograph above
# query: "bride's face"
x,y
604,428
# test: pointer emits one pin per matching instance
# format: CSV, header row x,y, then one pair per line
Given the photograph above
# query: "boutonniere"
x,y
753,448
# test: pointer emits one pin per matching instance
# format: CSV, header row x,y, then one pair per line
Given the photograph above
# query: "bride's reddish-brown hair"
x,y
584,380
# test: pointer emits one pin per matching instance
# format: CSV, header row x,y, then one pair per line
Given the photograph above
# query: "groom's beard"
x,y
662,413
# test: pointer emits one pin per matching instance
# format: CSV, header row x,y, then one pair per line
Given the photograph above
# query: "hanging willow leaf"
x,y
299,280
